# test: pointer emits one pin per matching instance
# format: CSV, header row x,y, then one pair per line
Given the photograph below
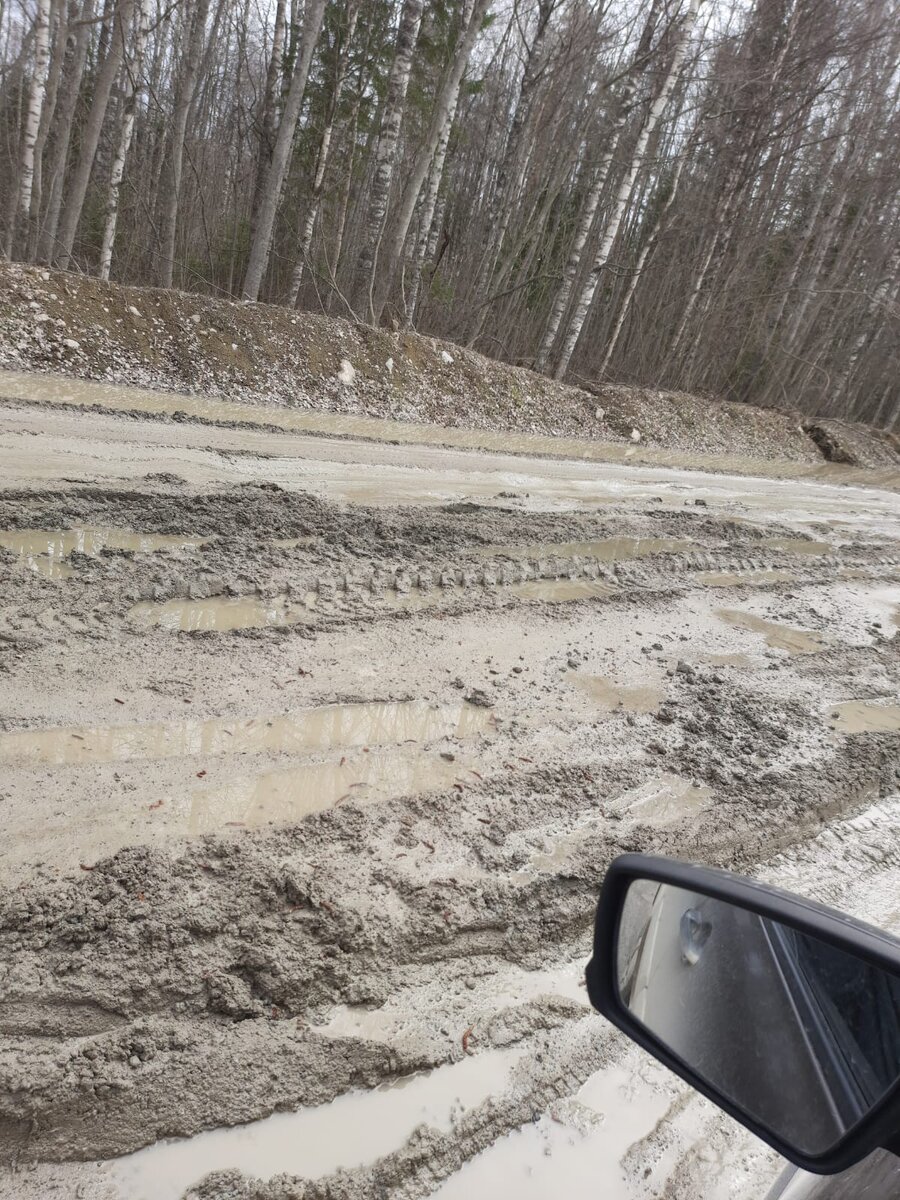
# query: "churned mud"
x,y
313,754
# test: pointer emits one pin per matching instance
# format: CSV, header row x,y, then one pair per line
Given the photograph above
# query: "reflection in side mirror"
x,y
785,1013
802,1035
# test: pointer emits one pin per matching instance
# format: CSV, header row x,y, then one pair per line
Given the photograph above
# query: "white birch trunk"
x,y
427,233
588,212
284,142
130,100
315,199
62,134
444,103
386,151
90,138
642,261
36,94
184,95
585,299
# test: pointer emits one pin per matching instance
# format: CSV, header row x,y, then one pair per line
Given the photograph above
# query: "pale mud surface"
x,y
313,754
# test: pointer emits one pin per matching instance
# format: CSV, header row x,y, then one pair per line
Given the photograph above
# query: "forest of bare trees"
x,y
700,195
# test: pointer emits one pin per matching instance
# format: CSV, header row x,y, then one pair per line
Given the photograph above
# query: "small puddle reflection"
x,y
352,1130
609,695
613,549
665,800
224,613
779,637
43,550
332,725
559,591
862,716
285,796
742,578
795,545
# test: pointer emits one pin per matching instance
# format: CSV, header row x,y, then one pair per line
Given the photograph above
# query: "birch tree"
x,y
351,15
386,153
473,15
588,213
130,97
284,141
36,95
90,136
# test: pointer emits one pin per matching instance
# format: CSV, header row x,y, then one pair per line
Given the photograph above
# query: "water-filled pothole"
x,y
643,698
352,1130
779,637
285,796
863,716
800,546
561,591
44,550
756,578
665,800
222,614
328,727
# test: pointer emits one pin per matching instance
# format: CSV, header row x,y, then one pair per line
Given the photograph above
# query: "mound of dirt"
x,y
856,445
274,356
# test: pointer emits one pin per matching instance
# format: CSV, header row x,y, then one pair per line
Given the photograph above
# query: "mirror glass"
x,y
800,1035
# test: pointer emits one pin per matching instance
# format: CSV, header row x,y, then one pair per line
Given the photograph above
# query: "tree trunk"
x,y
36,96
67,103
444,103
284,142
426,243
90,135
130,99
59,36
589,209
184,96
511,171
583,304
648,245
386,154
270,105
312,208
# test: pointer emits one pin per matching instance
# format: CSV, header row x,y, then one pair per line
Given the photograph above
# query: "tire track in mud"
x,y
181,986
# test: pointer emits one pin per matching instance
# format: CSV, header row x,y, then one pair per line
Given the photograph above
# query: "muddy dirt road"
x,y
314,750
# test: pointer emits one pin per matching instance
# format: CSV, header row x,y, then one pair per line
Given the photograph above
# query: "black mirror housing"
x,y
879,1127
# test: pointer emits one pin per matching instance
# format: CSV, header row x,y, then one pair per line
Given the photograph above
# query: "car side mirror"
x,y
784,1013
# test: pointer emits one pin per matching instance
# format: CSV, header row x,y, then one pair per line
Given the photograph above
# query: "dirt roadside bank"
x,y
261,354
308,788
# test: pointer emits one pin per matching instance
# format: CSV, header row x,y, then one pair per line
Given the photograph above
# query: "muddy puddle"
x,y
325,728
222,614
352,1130
663,801
45,550
779,637
799,546
742,578
561,591
608,695
862,716
614,549
575,1150
285,796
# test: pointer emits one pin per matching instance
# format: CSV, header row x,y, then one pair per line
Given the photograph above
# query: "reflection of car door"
x,y
706,983
875,1178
